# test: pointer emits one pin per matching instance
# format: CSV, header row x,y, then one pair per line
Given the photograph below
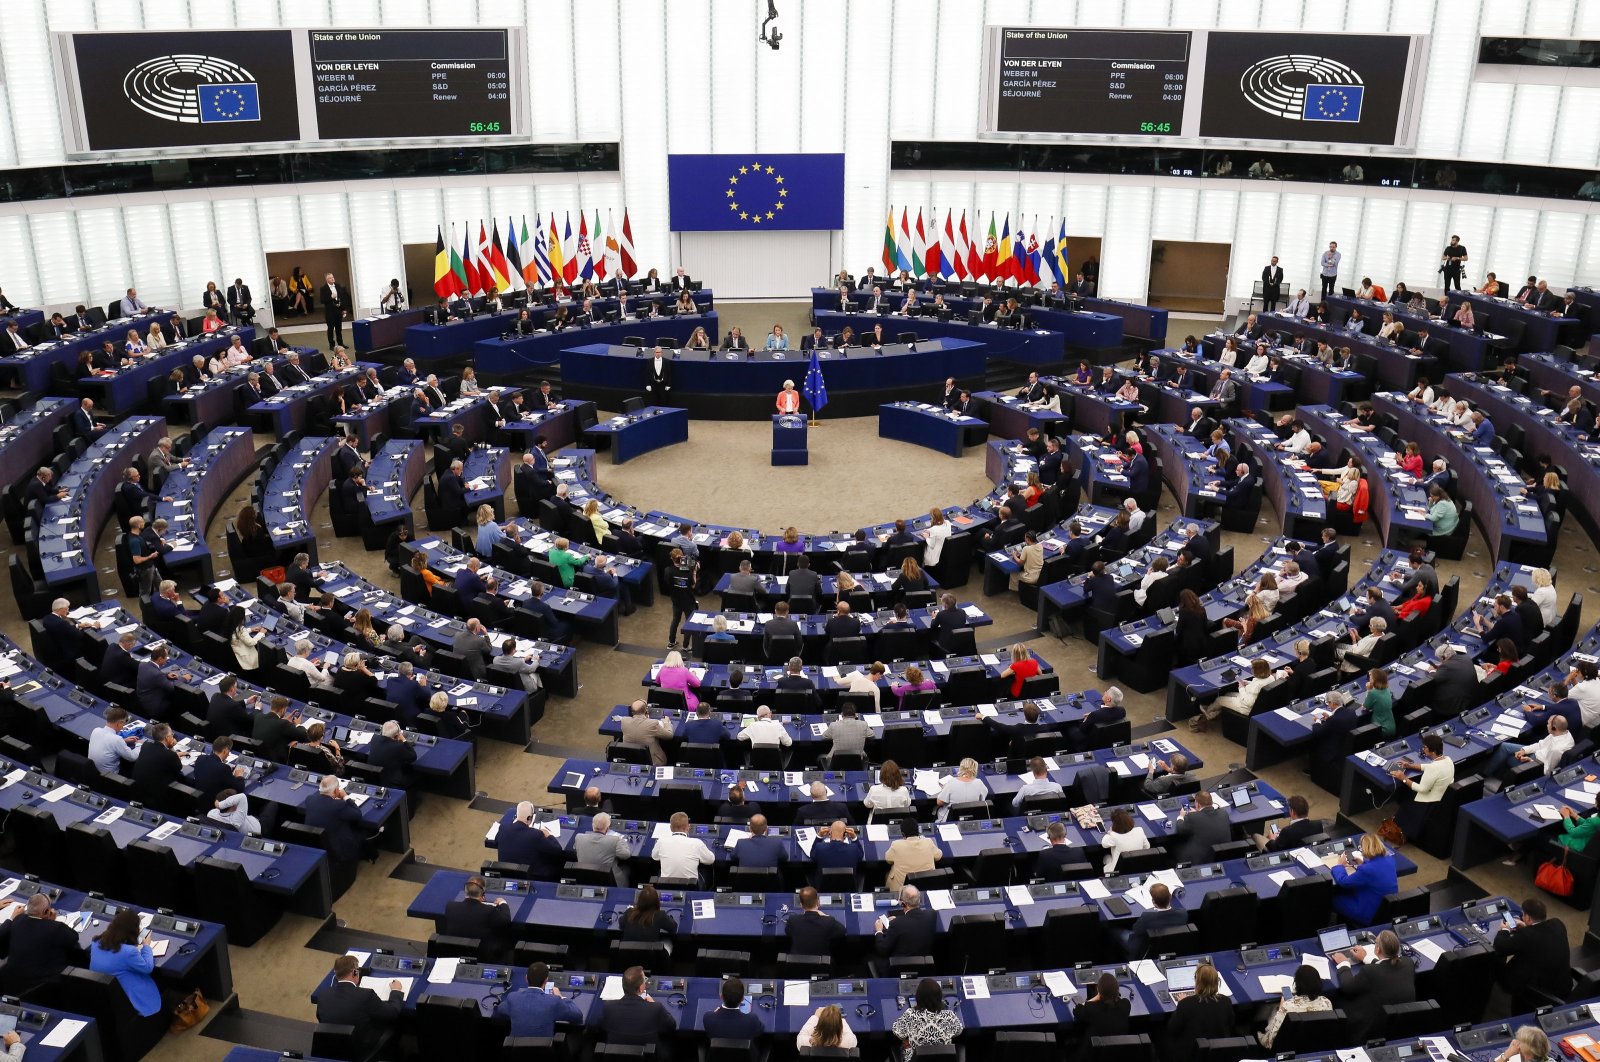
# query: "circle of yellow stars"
x,y
1322,103
754,215
238,102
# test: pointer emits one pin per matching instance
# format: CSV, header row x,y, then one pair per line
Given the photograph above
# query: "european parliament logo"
x,y
1333,103
194,90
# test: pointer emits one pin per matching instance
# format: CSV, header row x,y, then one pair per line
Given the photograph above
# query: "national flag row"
x,y
923,251
550,255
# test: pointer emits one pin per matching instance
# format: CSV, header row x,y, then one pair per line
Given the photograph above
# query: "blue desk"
x,y
1090,410
36,1023
1395,367
1484,828
285,412
762,373
68,528
475,413
878,585
1311,381
1558,375
558,425
1146,322
1035,347
1099,468
1398,504
1010,418
384,330
749,629
223,458
33,369
635,434
393,478
128,388
1097,328
1185,467
509,356
1291,487
1540,331
558,664
1511,522
214,401
390,411
1068,594
1469,351
28,441
292,491
930,426
789,439
487,470
1259,394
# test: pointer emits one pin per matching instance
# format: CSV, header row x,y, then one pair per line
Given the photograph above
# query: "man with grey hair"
x,y
524,667
1164,775
316,672
765,730
65,632
338,819
161,464
301,576
393,755
1136,515
848,733
908,931
289,602
602,848
823,808
639,728
1362,645
744,581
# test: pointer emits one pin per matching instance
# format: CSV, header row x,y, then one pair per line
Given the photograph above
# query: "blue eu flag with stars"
x,y
239,102
816,391
755,192
1333,103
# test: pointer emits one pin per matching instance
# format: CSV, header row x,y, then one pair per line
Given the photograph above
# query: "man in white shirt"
x,y
1299,306
1135,515
1583,685
130,305
1548,750
1299,440
680,855
1040,784
108,749
765,730
301,662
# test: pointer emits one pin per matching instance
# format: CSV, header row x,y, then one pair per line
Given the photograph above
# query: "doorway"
x,y
316,263
1189,277
1081,250
418,278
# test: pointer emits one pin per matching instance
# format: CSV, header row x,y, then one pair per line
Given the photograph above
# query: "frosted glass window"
x,y
600,99
1511,245
1488,120
107,266
1588,270
1256,241
305,12
1425,237
1175,210
1533,120
375,253
242,256
644,135
1378,254
1298,244
913,46
1218,215
955,90
418,213
823,78
552,71
1086,209
280,224
735,78
1576,139
56,260
30,80
1452,58
1549,18
1125,263
22,281
1556,251
1150,14
865,134
687,76
194,234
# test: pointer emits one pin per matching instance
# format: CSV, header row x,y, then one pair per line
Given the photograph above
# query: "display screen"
x,y
391,84
1340,87
1120,82
1203,85
158,90
170,91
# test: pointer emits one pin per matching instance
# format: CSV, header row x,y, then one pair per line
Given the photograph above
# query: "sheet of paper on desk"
x,y
1359,1054
1318,963
1139,895
704,910
1547,812
797,993
1094,888
59,793
63,1032
990,659
734,837
976,987
1427,949
1018,895
1148,973
380,984
1307,858
1059,984
443,971
1273,984
1139,760
878,831
940,900
949,831
1292,715
611,988
805,837
1281,877
1120,767
1152,811
927,781
1579,797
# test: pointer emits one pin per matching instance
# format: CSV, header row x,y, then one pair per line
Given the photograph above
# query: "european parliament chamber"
x,y
564,532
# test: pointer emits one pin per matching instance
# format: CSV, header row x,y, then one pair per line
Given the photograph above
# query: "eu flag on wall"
x,y
754,191
1333,103
239,102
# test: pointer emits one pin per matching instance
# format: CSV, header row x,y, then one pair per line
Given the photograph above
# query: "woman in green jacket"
x,y
1576,831
1379,701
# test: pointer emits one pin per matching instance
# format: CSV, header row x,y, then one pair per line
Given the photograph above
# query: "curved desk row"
x,y
1091,410
1311,381
1558,375
1540,331
1398,504
749,629
1291,487
217,465
521,358
129,387
1185,466
393,479
1086,329
215,400
68,529
1511,522
1069,595
1396,367
28,441
1032,346
292,491
1468,351
34,368
558,664
435,341
286,412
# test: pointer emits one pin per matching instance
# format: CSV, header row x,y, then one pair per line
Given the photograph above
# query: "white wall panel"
x,y
106,268
1295,240
1378,253
1588,271
1426,234
280,225
152,254
21,283
1125,262
1511,246
1557,247
954,91
1175,213
644,132
375,253
866,128
242,255
197,257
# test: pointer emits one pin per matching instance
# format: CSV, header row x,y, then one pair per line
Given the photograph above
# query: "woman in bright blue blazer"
x,y
1359,888
119,951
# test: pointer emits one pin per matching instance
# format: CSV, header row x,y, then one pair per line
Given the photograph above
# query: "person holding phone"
x,y
1305,997
123,951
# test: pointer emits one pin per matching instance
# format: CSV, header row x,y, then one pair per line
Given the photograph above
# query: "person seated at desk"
x,y
122,950
37,949
1039,784
815,341
761,850
1163,776
686,304
538,1008
479,918
1301,826
345,1002
1156,573
765,732
736,808
1361,881
1504,622
735,340
915,683
909,306
681,856
1160,915
909,929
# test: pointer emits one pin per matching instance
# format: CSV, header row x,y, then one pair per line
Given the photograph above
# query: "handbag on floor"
x,y
190,1011
1554,877
1391,833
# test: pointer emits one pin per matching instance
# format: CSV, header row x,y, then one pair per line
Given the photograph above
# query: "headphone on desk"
x,y
865,1010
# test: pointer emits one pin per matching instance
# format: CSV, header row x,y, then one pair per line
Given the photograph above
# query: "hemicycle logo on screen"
x,y
1304,88
194,90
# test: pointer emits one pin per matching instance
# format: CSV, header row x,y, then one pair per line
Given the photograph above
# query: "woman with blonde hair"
x,y
1024,666
826,1028
674,676
698,340
1360,882
912,579
490,533
937,534
362,624
963,787
155,339
1544,595
1257,611
1206,1013
591,513
419,565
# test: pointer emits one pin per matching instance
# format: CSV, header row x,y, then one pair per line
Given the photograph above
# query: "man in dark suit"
x,y
657,376
1504,624
293,372
1537,957
1527,611
841,624
83,422
227,712
822,810
1200,425
680,281
810,931
346,458
239,304
837,848
393,755
1161,915
157,766
1455,682
530,844
636,1018
1007,532
732,1020
65,633
1197,832
37,947
118,665
1287,838
1326,554
336,306
531,482
907,931
339,820
345,1002
477,917
453,494
780,626
1138,474
211,773
213,611
1236,489
1271,285
1083,287
408,692
1035,391
760,850
1056,854
40,489
1391,979
153,688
